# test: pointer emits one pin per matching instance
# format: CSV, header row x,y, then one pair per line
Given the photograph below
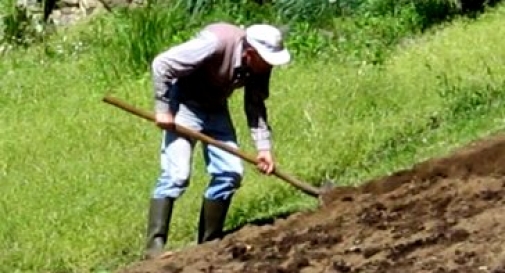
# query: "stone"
x,y
117,3
68,3
67,12
26,3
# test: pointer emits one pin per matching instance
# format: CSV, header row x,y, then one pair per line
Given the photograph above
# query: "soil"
x,y
442,215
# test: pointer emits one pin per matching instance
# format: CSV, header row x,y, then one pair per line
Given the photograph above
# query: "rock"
x,y
67,12
68,3
26,3
117,3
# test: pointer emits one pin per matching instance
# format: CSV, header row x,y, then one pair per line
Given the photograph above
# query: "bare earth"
x,y
443,215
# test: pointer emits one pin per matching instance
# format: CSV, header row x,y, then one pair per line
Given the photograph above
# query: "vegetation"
x,y
367,95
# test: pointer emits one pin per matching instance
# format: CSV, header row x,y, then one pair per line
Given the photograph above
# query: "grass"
x,y
77,174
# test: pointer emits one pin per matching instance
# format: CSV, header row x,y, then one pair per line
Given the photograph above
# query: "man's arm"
x,y
256,91
179,61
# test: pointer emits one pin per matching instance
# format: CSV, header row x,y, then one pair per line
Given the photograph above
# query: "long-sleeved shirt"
x,y
188,58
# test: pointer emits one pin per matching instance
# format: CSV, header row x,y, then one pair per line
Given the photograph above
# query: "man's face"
x,y
254,61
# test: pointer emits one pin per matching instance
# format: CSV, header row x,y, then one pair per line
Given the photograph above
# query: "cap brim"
x,y
275,58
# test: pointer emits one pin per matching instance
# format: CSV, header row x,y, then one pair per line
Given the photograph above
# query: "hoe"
x,y
302,186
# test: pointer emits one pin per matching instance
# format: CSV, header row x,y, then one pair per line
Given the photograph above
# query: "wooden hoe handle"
x,y
306,188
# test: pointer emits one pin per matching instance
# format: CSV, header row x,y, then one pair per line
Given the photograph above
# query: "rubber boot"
x,y
160,214
212,218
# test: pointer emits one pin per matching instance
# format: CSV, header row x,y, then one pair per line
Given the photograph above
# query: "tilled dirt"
x,y
443,215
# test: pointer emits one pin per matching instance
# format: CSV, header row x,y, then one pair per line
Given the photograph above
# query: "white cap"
x,y
268,41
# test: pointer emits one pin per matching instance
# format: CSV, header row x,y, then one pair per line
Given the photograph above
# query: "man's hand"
x,y
165,120
266,162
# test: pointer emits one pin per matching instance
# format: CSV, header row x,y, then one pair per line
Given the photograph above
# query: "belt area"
x,y
206,106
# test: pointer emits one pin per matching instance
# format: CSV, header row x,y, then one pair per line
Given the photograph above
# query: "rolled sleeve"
x,y
256,92
177,62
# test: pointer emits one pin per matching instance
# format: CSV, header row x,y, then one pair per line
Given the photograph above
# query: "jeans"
x,y
226,170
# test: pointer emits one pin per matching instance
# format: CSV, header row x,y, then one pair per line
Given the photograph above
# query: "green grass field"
x,y
76,173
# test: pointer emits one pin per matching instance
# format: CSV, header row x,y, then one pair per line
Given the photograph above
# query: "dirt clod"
x,y
442,215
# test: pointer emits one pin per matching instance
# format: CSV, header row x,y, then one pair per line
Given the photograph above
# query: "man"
x,y
192,82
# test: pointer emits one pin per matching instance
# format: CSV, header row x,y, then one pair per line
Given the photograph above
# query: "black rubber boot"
x,y
212,218
160,214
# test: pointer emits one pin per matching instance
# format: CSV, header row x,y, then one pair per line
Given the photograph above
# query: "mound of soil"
x,y
443,215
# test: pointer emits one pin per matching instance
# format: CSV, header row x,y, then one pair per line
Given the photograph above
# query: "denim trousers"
x,y
176,154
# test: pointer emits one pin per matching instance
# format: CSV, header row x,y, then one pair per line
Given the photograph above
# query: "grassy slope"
x,y
76,173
